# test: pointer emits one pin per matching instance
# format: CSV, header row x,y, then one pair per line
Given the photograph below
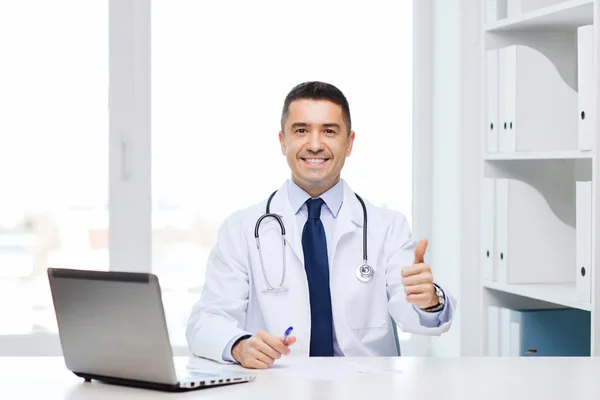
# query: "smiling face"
x,y
316,143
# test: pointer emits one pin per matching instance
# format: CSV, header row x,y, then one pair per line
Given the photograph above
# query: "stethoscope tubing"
x,y
279,220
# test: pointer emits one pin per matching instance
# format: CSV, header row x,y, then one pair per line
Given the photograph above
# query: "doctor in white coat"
x,y
246,305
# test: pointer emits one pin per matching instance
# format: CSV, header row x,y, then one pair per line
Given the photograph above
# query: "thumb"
x,y
290,340
420,251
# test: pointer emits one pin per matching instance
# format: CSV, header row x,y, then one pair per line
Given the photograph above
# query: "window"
x,y
220,72
53,152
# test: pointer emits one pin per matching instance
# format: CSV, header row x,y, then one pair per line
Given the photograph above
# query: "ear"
x,y
350,143
282,142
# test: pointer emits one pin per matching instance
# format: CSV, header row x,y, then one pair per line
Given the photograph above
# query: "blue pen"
x,y
287,334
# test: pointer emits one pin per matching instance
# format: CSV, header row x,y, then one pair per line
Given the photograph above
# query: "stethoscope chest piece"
x,y
364,273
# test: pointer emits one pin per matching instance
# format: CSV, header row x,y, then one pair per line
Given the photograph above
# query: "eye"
x,y
329,131
300,130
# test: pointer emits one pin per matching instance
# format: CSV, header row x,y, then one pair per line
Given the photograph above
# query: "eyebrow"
x,y
327,125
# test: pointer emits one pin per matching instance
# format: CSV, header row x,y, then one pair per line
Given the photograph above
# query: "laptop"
x,y
112,328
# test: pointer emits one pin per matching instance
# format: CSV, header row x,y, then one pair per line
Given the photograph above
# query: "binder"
x,y
585,97
493,331
487,229
583,222
505,333
515,335
506,99
513,8
491,66
537,108
518,7
506,341
532,244
495,10
501,230
550,333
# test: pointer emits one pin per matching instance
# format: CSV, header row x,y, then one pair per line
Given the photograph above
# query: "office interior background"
x,y
114,159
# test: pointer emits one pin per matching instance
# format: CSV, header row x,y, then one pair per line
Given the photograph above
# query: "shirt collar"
x,y
333,198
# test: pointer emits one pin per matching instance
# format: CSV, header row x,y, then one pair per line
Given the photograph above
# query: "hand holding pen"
x,y
262,349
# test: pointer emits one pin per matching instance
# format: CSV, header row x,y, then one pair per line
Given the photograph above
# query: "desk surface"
x,y
417,378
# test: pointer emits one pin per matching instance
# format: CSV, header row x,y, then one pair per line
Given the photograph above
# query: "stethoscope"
x,y
364,272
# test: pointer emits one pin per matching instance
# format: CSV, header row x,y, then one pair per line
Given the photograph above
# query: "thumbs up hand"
x,y
418,280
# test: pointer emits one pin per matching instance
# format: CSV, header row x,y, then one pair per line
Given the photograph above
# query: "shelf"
x,y
560,294
564,16
555,155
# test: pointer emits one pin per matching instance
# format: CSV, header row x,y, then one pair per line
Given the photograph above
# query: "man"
x,y
312,282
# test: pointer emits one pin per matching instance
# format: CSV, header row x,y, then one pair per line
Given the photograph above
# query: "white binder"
x,y
537,108
493,334
505,333
532,244
518,7
506,98
515,338
491,69
584,241
501,230
513,8
585,74
507,339
487,228
495,10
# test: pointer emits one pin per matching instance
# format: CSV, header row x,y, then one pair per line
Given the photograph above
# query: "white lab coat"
x,y
233,300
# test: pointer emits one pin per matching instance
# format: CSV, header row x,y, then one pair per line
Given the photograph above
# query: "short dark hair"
x,y
315,90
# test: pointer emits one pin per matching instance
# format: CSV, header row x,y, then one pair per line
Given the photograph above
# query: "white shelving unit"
x,y
549,155
539,189
564,15
564,295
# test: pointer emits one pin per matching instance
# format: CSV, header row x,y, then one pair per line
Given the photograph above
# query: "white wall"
x,y
454,168
445,236
422,140
471,130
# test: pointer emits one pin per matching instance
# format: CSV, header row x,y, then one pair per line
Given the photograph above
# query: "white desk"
x,y
421,378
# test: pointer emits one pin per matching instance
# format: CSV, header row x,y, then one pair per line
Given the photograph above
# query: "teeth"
x,y
315,160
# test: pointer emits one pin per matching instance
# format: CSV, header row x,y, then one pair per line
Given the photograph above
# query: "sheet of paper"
x,y
323,370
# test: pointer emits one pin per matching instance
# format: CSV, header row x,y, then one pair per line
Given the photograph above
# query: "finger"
x,y
290,340
417,289
418,298
418,279
420,251
276,343
266,349
255,363
414,269
259,355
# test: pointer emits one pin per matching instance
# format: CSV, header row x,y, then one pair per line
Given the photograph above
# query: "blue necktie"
x,y
314,246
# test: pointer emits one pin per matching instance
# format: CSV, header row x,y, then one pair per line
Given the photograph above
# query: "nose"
x,y
314,142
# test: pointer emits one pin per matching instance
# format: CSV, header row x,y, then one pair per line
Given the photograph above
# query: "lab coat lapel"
x,y
291,306
281,206
349,218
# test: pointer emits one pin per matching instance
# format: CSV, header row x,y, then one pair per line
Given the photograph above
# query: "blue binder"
x,y
553,333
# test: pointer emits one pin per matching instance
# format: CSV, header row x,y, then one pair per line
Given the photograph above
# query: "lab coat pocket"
x,y
367,306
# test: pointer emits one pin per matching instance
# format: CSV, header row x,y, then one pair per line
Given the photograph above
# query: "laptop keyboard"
x,y
188,374
200,374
